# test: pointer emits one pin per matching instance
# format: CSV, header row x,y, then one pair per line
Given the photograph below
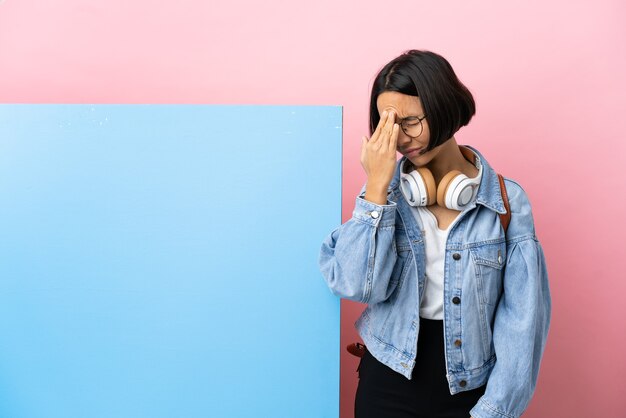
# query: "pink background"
x,y
548,78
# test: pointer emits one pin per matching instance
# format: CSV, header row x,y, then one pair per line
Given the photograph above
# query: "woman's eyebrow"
x,y
408,117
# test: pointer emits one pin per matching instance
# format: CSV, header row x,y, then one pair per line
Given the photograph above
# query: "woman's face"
x,y
404,106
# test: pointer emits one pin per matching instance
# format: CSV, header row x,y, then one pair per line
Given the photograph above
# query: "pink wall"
x,y
549,81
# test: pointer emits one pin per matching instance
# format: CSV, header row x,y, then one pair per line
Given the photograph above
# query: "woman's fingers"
x,y
388,130
378,154
382,127
393,139
363,151
379,128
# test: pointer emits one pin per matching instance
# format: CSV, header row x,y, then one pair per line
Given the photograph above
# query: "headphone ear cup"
x,y
456,190
429,184
444,185
418,187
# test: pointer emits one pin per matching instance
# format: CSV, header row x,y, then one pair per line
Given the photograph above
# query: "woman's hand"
x,y
378,157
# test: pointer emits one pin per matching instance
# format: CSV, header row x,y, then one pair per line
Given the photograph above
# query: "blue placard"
x,y
161,261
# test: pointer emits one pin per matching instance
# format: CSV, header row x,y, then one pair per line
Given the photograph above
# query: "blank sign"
x,y
161,261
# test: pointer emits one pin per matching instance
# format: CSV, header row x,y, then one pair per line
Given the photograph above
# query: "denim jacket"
x,y
497,303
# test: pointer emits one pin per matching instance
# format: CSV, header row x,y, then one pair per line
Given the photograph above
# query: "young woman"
x,y
457,311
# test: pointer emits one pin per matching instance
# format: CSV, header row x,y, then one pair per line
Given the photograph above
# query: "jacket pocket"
x,y
383,313
403,251
489,260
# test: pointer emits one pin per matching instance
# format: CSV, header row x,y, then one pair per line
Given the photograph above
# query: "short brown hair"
x,y
448,104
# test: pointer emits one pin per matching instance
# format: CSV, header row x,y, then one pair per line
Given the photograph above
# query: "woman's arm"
x,y
522,318
357,258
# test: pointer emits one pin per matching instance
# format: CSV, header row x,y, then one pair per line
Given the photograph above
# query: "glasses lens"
x,y
412,127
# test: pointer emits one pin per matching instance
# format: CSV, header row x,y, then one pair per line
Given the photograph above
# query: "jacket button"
x,y
457,343
456,300
456,256
462,383
374,214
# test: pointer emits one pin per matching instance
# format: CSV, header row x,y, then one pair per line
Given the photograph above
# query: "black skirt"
x,y
385,393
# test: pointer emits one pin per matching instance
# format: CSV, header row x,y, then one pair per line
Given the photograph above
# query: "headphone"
x,y
455,190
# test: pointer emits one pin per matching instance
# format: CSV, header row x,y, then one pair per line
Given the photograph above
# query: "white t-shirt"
x,y
431,306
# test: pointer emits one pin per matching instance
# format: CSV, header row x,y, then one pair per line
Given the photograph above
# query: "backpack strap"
x,y
505,218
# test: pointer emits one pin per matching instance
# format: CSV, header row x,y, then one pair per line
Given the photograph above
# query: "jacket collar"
x,y
488,191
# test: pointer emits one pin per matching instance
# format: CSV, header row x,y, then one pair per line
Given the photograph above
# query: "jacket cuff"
x,y
375,214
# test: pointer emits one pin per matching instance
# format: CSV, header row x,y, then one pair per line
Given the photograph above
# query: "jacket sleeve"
x,y
522,319
357,258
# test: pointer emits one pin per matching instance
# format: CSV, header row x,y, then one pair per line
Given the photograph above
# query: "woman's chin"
x,y
418,159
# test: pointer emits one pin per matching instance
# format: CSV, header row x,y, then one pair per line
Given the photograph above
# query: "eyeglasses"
x,y
412,125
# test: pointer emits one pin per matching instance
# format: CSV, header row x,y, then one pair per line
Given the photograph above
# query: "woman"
x,y
457,311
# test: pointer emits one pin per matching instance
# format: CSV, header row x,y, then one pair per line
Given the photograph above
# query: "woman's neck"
x,y
450,158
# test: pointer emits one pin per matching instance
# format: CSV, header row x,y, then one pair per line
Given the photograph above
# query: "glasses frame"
x,y
419,119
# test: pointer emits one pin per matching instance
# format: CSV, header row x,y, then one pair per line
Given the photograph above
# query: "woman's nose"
x,y
403,138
